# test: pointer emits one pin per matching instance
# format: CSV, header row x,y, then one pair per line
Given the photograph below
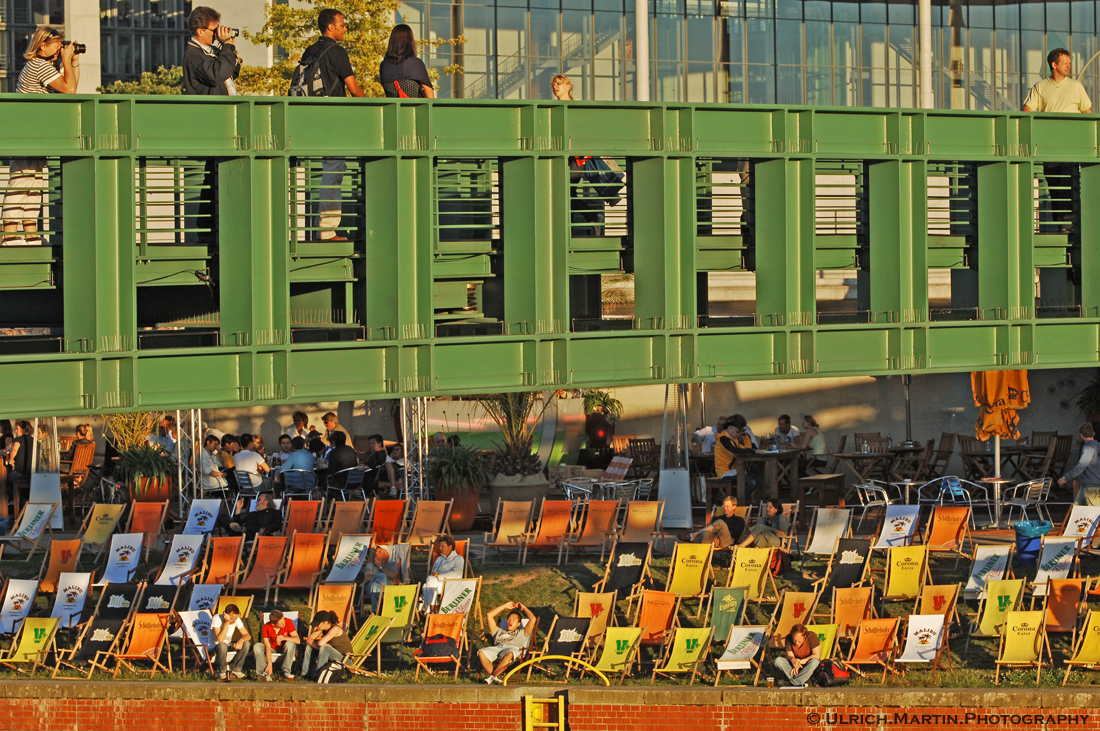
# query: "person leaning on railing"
x,y
401,73
50,68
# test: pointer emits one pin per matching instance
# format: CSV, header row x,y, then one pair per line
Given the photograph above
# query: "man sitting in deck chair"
x,y
802,656
279,634
508,643
231,633
266,517
389,567
723,531
449,565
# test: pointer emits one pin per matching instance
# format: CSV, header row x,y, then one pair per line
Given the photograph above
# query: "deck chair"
x,y
627,569
64,556
447,625
101,634
742,646
302,516
202,517
429,522
99,525
1058,559
147,519
337,598
199,636
367,641
34,519
33,643
244,602
180,560
1066,607
462,548
145,640
554,526
349,559
906,573
513,522
1086,651
848,567
683,653
620,648
940,599
598,607
304,562
751,570
345,517
727,609
461,596
223,559
873,645
262,567
656,616
990,563
689,572
204,596
827,526
19,596
600,520
158,599
387,520
850,607
122,559
1081,524
1001,597
642,522
565,639
949,530
898,528
795,607
1022,643
826,637
399,603
925,643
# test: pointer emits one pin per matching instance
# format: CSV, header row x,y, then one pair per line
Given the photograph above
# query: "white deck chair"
x,y
18,602
276,503
829,524
204,596
196,623
744,644
122,559
458,596
265,617
34,519
1056,561
898,527
923,639
182,556
68,605
351,556
990,564
1081,524
203,517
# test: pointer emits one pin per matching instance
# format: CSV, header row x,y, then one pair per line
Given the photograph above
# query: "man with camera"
x,y
210,61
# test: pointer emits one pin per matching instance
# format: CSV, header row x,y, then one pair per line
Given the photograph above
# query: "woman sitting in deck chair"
x,y
769,532
508,643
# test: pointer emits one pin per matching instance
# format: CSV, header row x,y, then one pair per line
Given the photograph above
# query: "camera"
x,y
234,32
77,47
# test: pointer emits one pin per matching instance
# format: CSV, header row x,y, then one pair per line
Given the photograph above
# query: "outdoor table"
x,y
995,483
905,453
781,466
1015,457
864,464
982,462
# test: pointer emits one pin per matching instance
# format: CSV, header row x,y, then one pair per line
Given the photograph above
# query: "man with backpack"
x,y
325,70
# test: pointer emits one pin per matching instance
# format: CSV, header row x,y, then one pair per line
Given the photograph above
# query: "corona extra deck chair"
x,y
144,642
1081,524
1057,560
301,516
742,646
345,518
899,526
683,653
513,522
850,607
335,598
627,568
1001,597
925,642
72,595
566,639
19,596
642,522
147,519
1022,643
64,556
102,634
849,565
223,559
990,563
555,523
826,637
387,520
1086,651
827,526
656,616
949,531
263,565
727,609
122,559
600,608
689,572
795,607
906,573
1067,605
429,521
874,645
620,647
202,517
33,643
180,560
304,562
367,641
33,521
601,523
349,559
399,603
751,570
99,525
452,626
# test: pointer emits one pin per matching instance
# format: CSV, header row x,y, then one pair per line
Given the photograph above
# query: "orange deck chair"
x,y
345,518
145,643
874,645
656,615
335,598
949,531
387,521
263,565
447,625
795,607
1067,606
301,516
64,558
940,599
223,559
850,607
555,522
601,523
147,518
513,524
462,548
429,521
304,562
643,521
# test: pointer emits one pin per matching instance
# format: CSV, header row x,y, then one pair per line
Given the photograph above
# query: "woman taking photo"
x,y
401,73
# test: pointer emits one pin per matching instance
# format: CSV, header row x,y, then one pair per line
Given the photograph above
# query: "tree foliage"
x,y
292,29
163,81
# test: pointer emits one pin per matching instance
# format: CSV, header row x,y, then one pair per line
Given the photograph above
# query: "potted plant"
x,y
518,472
458,473
143,467
601,412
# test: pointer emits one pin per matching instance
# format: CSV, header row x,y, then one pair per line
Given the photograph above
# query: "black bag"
x,y
308,79
781,562
334,672
830,673
609,182
438,646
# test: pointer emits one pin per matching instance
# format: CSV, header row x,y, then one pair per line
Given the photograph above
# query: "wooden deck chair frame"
x,y
318,516
61,659
630,655
76,546
511,540
293,555
889,650
150,536
340,519
425,539
706,575
212,562
943,652
844,629
95,515
751,662
924,575
542,542
638,620
983,604
459,621
780,625
353,661
48,644
250,565
962,534
589,533
123,658
702,641
1086,650
1041,638
20,543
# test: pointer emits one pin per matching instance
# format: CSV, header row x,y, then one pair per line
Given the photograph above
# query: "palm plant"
x,y
144,467
512,413
461,469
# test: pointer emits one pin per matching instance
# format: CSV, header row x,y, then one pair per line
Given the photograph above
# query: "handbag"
x,y
438,646
831,673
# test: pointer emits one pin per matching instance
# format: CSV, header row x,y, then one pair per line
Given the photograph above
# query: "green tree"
x,y
293,29
163,81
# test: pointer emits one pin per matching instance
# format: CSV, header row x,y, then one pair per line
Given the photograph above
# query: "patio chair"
x,y
262,567
795,607
850,607
388,520
599,607
345,517
849,566
513,524
873,645
122,559
368,641
147,519
990,563
145,640
1035,466
620,648
399,604
949,531
646,456
751,569
72,594
626,570
336,598
565,639
302,516
944,450
743,644
1066,607
1033,494
99,525
600,521
656,617
906,573
19,596
428,523
348,482
298,483
26,536
899,527
33,643
1062,451
827,526
1001,597
871,495
223,559
1022,643
925,643
913,466
1081,524
689,572
304,563
554,526
1086,650
1058,559
643,521
445,625
683,653
180,560
63,556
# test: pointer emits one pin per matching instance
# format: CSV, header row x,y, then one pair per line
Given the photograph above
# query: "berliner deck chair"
x,y
461,596
33,643
1086,651
102,633
795,607
122,559
683,653
656,616
848,567
600,519
727,609
1001,597
263,565
1081,524
906,573
19,596
627,569
429,522
948,531
1066,607
198,637
452,626
336,598
940,599
850,607
925,643
158,599
827,526
223,559
180,560
643,521
566,639
99,525
899,527
751,570
1022,643
399,603
144,642
64,556
202,517
148,519
826,637
554,525
598,607
387,520
742,647
304,562
620,648
345,518
366,641
874,645
689,572
204,596
349,560
302,516
513,523
34,519
990,563
72,594
1058,559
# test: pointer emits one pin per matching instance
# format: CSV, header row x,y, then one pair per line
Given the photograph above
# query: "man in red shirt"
x,y
279,635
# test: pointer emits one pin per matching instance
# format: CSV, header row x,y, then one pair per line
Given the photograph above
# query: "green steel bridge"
x,y
182,265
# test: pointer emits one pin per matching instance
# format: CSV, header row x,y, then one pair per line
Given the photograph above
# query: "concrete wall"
x,y
82,26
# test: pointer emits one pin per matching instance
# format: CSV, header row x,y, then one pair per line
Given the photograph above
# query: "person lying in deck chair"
x,y
508,642
266,517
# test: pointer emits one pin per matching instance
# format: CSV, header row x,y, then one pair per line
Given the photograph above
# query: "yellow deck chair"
x,y
147,518
1022,643
33,523
600,608
850,607
1086,651
1001,597
751,570
743,645
906,573
1067,605
144,643
795,607
620,648
555,525
689,572
948,532
99,525
513,522
223,559
34,640
643,521
684,652
429,522
399,603
345,518
301,516
368,640
304,563
826,636
874,645
601,522
64,558
244,603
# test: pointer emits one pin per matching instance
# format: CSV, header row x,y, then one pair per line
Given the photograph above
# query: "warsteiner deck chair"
x,y
367,641
1067,605
827,526
850,607
335,598
1058,559
33,643
19,596
620,648
626,570
180,561
99,525
148,519
949,531
304,563
742,647
1022,643
656,616
223,560
1086,651
751,570
795,607
452,626
925,643
642,522
1081,524
990,563
345,518
122,559
683,653
1001,597
33,521
566,639
689,572
874,645
64,556
144,642
906,573
302,516
262,567
554,526
202,517
72,594
102,633
898,528
848,567
727,609
600,519
513,523
598,607
428,523
387,520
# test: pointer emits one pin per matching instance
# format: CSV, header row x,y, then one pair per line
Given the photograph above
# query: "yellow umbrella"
x,y
999,394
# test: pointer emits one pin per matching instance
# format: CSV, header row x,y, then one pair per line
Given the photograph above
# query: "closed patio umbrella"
x,y
999,394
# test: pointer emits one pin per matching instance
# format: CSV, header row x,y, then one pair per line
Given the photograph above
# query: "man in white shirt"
x,y
301,426
449,565
784,432
286,448
230,632
253,463
213,477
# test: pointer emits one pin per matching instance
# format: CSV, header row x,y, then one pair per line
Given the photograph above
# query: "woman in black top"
x,y
401,73
19,459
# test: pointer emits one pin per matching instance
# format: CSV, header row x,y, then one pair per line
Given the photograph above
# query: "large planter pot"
x,y
464,508
599,429
529,487
152,490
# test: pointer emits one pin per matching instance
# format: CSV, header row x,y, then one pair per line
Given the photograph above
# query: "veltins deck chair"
x,y
925,642
513,522
898,527
990,563
626,570
27,534
336,598
827,526
940,599
1022,643
600,520
949,531
850,607
387,520
122,559
72,593
448,625
1067,605
399,604
64,556
148,519
1058,559
223,559
656,616
727,609
684,652
1001,597
345,518
144,643
1081,524
906,573
689,572
304,562
555,523
19,596
826,637
848,567
795,607
750,570
642,522
99,525
1086,651
429,522
873,645
180,560
301,516
566,639
33,642
600,608
263,565
368,640
203,517
742,647
620,647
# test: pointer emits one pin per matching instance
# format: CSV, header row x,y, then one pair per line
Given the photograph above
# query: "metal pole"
x,y
997,456
927,99
641,49
907,379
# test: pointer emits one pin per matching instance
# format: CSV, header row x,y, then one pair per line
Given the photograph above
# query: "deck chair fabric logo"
x,y
628,561
799,608
354,556
102,635
729,603
459,604
124,553
18,601
1003,602
206,603
183,554
595,609
1059,561
926,636
901,524
992,564
39,634
1021,627
202,517
620,646
691,645
399,603
569,635
73,593
1081,526
749,642
938,602
33,526
157,603
118,601
850,557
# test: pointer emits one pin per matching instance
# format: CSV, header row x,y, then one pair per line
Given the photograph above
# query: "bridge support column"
x,y
898,239
1006,270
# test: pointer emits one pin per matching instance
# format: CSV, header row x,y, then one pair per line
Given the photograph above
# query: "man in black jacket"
x,y
210,61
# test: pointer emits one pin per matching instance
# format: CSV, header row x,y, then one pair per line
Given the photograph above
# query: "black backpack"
x,y
334,672
831,673
308,79
438,646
